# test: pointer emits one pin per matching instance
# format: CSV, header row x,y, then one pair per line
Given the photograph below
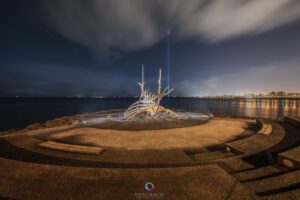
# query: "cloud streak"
x,y
114,27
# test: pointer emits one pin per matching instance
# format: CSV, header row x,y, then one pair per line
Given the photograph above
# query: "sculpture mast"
x,y
142,83
168,60
159,82
143,74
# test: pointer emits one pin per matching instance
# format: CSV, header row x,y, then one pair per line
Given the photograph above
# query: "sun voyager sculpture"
x,y
145,114
149,102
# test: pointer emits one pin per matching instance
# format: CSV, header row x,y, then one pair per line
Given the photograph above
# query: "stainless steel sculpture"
x,y
148,102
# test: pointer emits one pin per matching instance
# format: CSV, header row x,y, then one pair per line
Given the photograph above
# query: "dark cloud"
x,y
113,26
38,79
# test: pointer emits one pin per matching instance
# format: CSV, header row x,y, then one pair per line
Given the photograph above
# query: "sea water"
x,y
20,112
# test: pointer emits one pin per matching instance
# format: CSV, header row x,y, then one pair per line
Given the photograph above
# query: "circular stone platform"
x,y
215,131
210,172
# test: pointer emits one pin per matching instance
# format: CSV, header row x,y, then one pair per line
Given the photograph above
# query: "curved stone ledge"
x,y
258,142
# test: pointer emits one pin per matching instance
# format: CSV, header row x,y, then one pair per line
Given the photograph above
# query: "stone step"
x,y
211,155
266,129
258,142
235,164
255,173
71,147
195,150
290,195
274,183
290,158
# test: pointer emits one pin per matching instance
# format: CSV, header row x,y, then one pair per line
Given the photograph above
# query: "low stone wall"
x,y
292,120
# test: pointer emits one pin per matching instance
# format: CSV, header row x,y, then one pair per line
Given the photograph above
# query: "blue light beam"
x,y
168,59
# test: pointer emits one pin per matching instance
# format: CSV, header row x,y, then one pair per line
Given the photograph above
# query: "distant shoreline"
x,y
263,98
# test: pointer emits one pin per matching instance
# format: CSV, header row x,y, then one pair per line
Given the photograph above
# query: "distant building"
x,y
272,94
281,94
295,95
249,95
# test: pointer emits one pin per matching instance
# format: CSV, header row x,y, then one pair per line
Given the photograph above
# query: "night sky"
x,y
93,48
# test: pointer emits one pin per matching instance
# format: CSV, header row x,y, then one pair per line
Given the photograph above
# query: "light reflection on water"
x,y
272,108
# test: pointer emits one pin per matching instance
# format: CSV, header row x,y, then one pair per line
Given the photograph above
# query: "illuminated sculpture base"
x,y
144,121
